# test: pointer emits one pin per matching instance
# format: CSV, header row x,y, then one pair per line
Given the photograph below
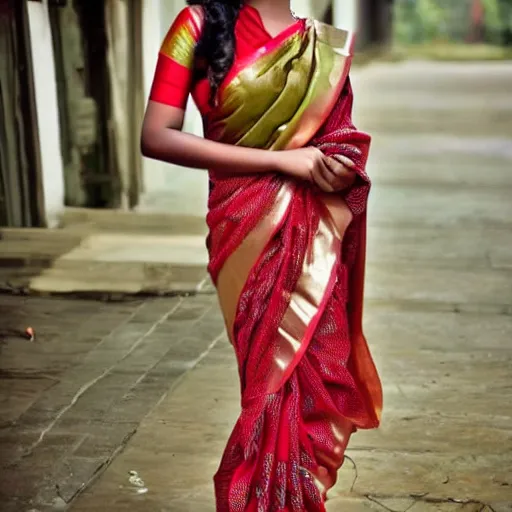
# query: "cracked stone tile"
x,y
422,506
350,504
393,504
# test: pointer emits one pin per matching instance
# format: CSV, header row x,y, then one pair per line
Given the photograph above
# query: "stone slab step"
x,y
125,277
36,248
30,243
120,263
123,247
57,236
117,263
121,221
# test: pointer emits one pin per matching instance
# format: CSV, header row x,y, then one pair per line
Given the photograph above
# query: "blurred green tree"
x,y
421,21
493,21
506,17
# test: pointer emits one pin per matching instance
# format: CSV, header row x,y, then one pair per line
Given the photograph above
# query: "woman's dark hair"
x,y
216,48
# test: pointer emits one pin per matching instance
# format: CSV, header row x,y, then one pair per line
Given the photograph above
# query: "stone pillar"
x,y
45,85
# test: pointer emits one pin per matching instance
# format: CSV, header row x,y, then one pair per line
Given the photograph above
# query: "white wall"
x,y
302,8
151,40
153,172
47,110
167,187
345,14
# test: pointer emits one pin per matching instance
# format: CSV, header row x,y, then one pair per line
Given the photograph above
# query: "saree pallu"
x,y
288,264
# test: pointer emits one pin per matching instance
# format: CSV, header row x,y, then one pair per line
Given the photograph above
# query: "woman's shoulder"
x,y
191,19
183,35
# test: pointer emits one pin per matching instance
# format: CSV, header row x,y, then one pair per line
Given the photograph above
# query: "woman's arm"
x,y
162,139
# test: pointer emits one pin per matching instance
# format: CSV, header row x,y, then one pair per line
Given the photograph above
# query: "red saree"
x,y
288,264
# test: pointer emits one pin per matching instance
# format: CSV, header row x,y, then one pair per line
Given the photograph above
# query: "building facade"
x,y
79,72
72,102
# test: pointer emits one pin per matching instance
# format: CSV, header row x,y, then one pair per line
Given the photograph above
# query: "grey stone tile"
x,y
71,478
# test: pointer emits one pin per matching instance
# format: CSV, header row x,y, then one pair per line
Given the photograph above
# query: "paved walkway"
x,y
73,398
438,318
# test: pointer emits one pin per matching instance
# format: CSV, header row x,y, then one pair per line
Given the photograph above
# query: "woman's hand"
x,y
310,164
339,175
301,164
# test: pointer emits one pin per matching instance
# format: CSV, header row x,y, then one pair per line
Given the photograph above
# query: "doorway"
x,y
99,106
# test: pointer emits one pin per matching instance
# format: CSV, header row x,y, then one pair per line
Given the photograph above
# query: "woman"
x,y
287,204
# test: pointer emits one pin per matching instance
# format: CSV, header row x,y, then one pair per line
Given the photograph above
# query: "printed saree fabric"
x,y
288,264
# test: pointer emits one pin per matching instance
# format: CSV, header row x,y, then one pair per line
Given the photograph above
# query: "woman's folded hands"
x,y
329,173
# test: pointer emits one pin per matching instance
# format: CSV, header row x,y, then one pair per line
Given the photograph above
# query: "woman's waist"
x,y
235,196
338,211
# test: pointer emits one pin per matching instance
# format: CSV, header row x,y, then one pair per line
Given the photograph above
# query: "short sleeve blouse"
x,y
174,71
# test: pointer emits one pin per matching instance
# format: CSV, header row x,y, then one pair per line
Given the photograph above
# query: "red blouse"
x,y
173,79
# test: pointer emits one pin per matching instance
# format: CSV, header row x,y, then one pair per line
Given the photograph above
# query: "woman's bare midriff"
x,y
340,212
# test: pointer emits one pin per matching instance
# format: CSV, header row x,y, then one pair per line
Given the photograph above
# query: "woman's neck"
x,y
272,8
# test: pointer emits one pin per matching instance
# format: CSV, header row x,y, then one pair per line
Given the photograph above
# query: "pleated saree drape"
x,y
288,264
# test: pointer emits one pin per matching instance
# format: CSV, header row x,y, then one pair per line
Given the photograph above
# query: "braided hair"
x,y
216,48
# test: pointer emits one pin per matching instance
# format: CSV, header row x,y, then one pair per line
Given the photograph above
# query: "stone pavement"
x,y
72,399
438,318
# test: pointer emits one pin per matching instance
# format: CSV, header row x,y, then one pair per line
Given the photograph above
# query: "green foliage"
x,y
423,21
493,21
431,19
